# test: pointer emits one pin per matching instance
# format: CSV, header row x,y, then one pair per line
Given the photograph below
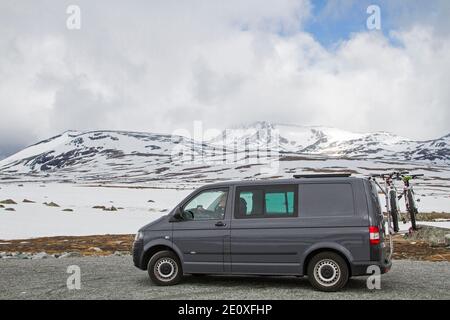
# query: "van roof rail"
x,y
323,175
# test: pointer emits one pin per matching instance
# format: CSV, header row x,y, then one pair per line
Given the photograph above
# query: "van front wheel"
x,y
164,268
327,271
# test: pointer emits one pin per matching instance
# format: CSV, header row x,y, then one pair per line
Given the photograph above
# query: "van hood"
x,y
158,224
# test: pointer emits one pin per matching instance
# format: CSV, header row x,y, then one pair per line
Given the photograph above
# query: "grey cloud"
x,y
160,65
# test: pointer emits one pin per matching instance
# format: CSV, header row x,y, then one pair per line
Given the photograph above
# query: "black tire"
x,y
412,209
395,213
164,268
328,271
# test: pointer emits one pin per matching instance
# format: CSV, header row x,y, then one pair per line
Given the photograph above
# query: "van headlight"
x,y
139,236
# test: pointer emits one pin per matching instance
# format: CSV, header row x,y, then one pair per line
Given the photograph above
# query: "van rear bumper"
x,y
361,268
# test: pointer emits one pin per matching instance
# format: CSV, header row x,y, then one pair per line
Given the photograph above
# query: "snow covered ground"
x,y
404,227
37,220
31,220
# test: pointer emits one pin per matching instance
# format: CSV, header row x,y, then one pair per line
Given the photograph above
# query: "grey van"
x,y
325,227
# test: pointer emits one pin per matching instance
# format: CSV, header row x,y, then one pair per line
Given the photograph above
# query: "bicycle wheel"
x,y
412,209
395,212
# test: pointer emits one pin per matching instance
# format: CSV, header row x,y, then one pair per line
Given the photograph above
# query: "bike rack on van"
x,y
388,208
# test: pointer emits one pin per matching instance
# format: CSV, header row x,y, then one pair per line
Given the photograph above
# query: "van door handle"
x,y
220,224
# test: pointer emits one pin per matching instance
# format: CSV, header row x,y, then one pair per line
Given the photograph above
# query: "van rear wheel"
x,y
327,271
164,268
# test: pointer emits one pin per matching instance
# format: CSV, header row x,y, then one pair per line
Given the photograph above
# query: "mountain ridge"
x,y
99,155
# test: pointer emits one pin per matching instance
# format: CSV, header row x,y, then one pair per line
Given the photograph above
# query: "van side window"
x,y
279,202
207,205
266,202
250,203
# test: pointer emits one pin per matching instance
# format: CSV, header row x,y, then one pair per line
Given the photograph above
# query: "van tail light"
x,y
374,235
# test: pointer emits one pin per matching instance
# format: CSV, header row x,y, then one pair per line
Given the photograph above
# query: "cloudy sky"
x,y
159,65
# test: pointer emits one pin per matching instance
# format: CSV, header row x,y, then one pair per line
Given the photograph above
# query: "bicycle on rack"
x,y
409,196
390,192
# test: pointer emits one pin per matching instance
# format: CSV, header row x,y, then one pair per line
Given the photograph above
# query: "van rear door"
x,y
376,218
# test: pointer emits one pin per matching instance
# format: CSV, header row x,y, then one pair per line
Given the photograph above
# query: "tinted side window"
x,y
266,201
279,202
250,202
326,199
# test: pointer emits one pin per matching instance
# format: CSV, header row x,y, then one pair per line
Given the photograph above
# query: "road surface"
x,y
115,277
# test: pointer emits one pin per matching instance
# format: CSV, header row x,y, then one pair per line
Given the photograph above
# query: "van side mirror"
x,y
177,216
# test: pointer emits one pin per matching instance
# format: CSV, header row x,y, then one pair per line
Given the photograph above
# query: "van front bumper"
x,y
362,268
138,249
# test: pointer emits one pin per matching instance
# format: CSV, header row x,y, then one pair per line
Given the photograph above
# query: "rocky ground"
x,y
433,216
47,247
428,243
405,248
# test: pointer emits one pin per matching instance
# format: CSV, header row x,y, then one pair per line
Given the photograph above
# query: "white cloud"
x,y
159,65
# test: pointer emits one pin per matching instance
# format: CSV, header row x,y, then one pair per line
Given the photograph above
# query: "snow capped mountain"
x,y
100,150
236,153
334,142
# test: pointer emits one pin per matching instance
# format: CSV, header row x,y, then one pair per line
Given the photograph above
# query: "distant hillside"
x,y
257,150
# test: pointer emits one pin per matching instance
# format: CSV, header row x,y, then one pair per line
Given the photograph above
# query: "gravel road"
x,y
115,277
